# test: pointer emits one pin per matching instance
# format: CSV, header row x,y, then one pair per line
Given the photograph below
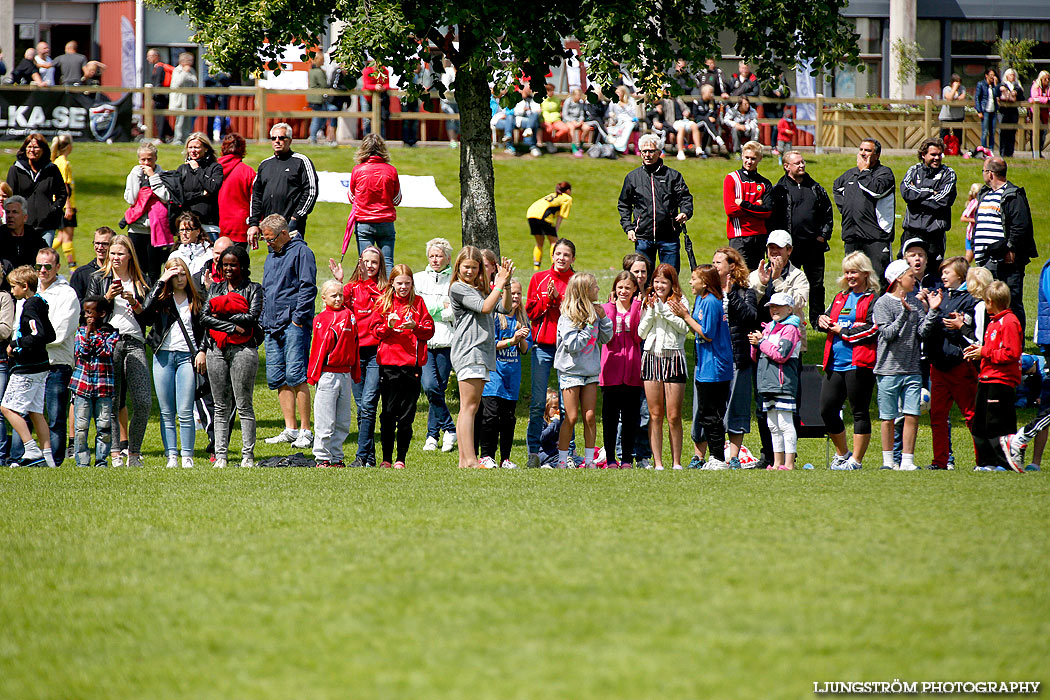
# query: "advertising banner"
x,y
85,117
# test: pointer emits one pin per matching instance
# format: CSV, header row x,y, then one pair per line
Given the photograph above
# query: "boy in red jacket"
x,y
334,366
1000,373
745,196
786,131
403,326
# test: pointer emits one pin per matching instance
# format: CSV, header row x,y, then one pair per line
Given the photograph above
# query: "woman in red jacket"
x,y
374,192
849,359
403,326
361,293
235,194
543,307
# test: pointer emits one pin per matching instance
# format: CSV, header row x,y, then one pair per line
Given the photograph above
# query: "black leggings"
x,y
856,384
399,390
620,403
994,415
497,424
713,398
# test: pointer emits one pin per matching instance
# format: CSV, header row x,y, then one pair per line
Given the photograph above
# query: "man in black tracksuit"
x,y
928,190
285,184
865,198
803,208
654,203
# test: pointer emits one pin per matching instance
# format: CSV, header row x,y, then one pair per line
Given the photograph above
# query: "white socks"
x,y
887,458
563,456
588,458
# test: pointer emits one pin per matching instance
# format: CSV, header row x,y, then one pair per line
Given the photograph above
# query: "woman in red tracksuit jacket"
x,y
543,307
1000,357
374,192
360,294
403,326
334,367
235,194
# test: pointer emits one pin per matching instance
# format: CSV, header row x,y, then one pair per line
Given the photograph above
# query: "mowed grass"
x,y
438,583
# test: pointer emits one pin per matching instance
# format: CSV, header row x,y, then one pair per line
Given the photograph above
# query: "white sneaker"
x,y
714,465
526,133
431,444
535,152
187,462
173,462
680,155
304,441
488,463
907,468
698,151
135,460
288,435
507,464
118,460
247,463
220,462
677,467
448,442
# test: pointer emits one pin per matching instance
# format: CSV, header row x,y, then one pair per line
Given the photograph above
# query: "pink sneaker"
x,y
784,468
399,465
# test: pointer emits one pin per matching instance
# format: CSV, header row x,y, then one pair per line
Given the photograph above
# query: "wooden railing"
x,y
838,123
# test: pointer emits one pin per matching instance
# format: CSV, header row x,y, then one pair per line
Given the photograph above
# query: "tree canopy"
x,y
503,43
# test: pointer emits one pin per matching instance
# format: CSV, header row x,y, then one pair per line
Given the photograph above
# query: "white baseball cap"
x,y
895,269
779,237
780,299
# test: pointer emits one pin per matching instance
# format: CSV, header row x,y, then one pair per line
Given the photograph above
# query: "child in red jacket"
x,y
1000,357
403,325
786,131
334,366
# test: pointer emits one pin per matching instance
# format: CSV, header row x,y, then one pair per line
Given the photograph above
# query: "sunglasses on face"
x,y
43,266
280,138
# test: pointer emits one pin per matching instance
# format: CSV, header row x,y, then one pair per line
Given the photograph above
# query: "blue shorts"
x,y
287,357
899,394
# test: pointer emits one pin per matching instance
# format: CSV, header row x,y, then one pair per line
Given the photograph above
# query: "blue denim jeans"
x,y
435,382
669,251
176,385
84,411
988,129
366,396
287,355
381,234
542,364
318,123
531,121
56,408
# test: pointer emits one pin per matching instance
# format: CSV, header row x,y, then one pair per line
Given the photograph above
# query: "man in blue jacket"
x,y
289,289
986,100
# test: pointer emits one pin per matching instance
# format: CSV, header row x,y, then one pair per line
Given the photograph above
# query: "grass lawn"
x,y
438,583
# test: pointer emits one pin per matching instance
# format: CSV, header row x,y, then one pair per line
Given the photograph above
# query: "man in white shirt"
x,y
63,310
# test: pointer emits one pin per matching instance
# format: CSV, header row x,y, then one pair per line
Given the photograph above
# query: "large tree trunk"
x,y
476,179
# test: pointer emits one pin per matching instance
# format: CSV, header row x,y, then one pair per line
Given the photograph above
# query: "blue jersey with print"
x,y
714,357
842,353
505,382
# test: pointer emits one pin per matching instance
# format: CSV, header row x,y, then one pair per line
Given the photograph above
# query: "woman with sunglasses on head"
x,y
121,281
174,307
36,178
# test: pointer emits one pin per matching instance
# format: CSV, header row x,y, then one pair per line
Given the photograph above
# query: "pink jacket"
x,y
622,355
159,229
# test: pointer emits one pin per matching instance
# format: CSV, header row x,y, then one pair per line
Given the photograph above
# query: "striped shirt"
x,y
988,228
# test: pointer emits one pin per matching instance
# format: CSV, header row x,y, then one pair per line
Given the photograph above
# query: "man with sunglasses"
x,y
19,242
654,204
63,310
285,184
81,277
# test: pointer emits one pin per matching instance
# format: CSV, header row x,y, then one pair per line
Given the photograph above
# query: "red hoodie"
x,y
334,346
543,311
399,345
746,218
361,297
1001,352
374,191
235,195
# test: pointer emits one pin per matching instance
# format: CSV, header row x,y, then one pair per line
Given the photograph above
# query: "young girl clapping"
x,y
776,349
663,362
500,396
403,326
582,329
621,375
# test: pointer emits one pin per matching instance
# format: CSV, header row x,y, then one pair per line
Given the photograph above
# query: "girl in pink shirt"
x,y
621,372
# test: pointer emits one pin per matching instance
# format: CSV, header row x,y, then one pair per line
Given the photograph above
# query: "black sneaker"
x,y
356,464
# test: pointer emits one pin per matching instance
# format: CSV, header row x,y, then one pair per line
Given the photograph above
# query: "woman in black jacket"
x,y
121,281
231,317
36,178
742,310
174,308
199,180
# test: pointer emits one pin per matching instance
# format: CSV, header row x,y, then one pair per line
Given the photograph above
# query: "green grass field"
x,y
587,584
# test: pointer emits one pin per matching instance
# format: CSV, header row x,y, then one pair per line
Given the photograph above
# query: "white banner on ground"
x,y
416,190
806,88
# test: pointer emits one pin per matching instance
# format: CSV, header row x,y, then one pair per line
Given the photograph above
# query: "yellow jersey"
x,y
547,208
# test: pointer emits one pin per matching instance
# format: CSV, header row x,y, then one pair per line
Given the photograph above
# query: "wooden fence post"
x,y
1037,142
927,116
147,111
818,129
260,107
377,103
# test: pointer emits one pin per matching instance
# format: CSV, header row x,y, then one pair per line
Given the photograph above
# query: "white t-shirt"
x,y
124,319
175,340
